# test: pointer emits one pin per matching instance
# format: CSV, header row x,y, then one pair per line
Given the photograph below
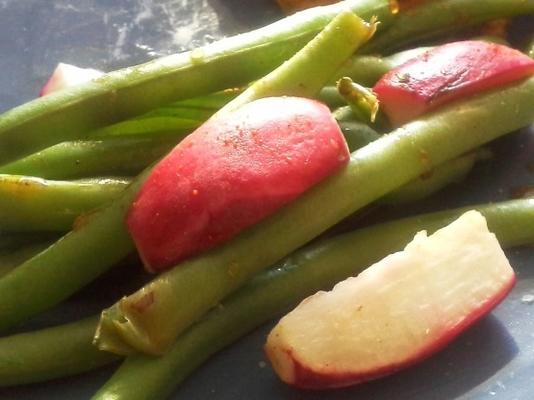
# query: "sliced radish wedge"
x,y
447,73
397,312
234,170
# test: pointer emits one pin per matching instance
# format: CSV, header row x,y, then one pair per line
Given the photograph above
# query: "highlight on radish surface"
x,y
397,312
66,75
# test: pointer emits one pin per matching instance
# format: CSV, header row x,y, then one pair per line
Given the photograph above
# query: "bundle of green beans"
x,y
112,145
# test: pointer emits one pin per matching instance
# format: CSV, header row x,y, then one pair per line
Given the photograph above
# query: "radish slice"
x,y
233,171
397,312
448,73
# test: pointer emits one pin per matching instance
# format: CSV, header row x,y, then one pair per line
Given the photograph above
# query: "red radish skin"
x,y
448,73
66,75
233,171
397,313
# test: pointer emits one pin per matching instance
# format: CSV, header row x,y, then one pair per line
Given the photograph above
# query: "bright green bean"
x,y
33,204
85,158
443,175
306,73
441,16
150,319
71,113
315,267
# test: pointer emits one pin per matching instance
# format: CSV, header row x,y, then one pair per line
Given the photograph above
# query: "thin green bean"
x,y
29,204
441,16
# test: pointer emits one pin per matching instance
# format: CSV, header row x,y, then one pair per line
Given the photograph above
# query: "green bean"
x,y
212,101
153,127
71,113
50,353
150,319
357,134
300,75
440,16
11,259
35,204
315,267
85,158
443,175
13,241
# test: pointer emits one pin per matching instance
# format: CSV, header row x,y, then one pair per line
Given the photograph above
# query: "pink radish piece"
x,y
66,75
233,171
448,73
399,311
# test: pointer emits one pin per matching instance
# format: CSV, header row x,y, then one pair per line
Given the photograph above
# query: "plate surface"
x,y
494,359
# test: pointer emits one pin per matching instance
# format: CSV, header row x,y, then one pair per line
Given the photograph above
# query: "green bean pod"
x,y
357,134
436,17
426,185
50,353
85,158
151,319
72,113
299,75
11,259
315,267
30,204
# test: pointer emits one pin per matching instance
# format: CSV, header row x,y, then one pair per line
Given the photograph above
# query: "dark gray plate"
x,y
494,359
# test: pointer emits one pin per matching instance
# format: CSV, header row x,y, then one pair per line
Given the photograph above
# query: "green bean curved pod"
x,y
443,175
85,158
211,101
151,319
12,241
72,113
11,259
153,127
178,111
440,16
309,69
35,204
315,267
50,353
97,243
